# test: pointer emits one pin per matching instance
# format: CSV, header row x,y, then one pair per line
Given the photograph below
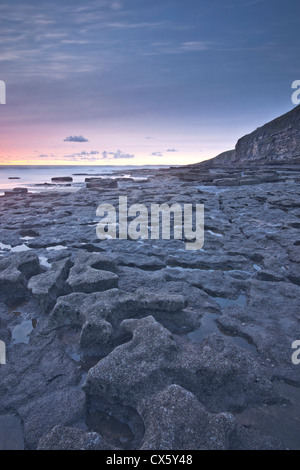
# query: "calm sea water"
x,y
30,176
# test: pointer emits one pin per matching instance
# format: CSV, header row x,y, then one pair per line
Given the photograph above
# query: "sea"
x,y
34,177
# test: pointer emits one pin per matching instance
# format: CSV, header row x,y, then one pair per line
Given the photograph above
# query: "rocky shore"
x,y
122,344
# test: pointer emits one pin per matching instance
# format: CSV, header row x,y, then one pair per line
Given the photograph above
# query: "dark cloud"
x,y
157,154
47,156
83,156
75,138
115,155
84,153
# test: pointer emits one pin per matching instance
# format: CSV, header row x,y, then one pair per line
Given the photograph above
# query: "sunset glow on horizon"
x,y
140,83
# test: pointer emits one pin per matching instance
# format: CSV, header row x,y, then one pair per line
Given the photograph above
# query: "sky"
x,y
135,82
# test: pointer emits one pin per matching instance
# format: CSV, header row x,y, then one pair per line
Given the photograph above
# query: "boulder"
x,y
101,183
62,179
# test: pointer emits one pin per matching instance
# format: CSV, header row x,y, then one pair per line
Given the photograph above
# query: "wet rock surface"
x,y
49,285
144,344
64,438
92,273
15,271
174,418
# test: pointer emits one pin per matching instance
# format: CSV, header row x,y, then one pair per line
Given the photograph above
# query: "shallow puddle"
x,y
20,248
180,268
85,362
240,341
215,233
208,326
239,271
281,421
44,262
256,267
70,340
240,301
21,333
3,246
56,248
111,428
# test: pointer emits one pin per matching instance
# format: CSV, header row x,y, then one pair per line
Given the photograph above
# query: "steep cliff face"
x,y
278,140
275,142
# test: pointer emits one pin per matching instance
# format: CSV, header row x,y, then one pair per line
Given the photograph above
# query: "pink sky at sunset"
x,y
155,82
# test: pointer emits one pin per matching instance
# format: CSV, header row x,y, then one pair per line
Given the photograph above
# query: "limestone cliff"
x,y
275,142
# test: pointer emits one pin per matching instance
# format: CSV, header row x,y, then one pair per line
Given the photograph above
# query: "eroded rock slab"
x,y
222,376
15,270
98,313
65,438
174,419
46,287
92,273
